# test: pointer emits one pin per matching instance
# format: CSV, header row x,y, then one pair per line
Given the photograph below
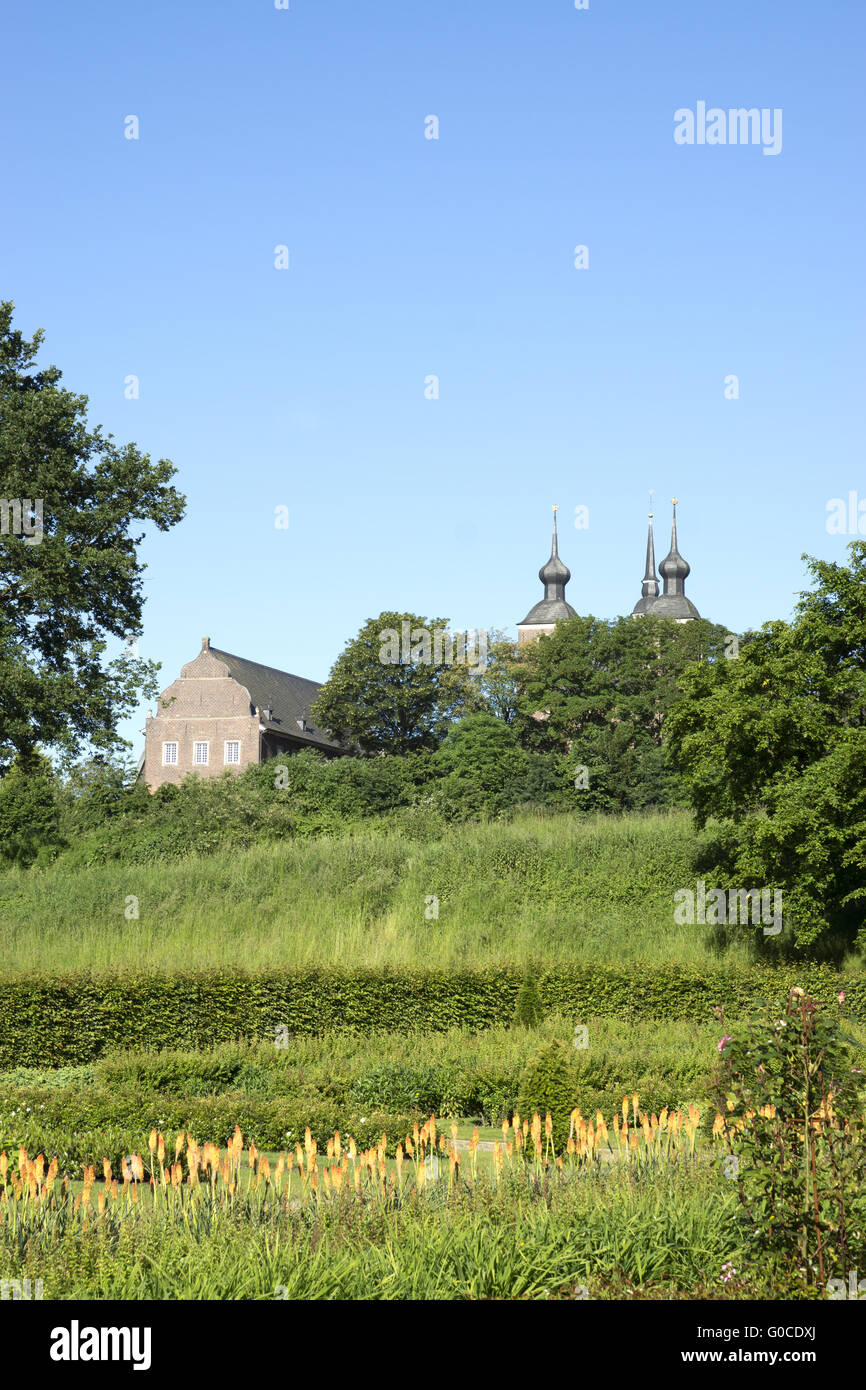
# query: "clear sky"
x,y
411,257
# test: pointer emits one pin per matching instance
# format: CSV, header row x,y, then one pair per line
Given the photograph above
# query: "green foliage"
x,y
385,700
548,1086
773,746
73,1019
528,1008
29,810
64,595
483,767
605,690
793,1105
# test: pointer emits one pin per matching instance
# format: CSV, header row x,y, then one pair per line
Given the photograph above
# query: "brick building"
x,y
225,712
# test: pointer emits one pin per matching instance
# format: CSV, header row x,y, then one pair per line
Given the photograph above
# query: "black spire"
x,y
674,570
649,589
554,575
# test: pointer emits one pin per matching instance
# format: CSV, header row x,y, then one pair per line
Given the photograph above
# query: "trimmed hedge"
x,y
86,1126
50,1020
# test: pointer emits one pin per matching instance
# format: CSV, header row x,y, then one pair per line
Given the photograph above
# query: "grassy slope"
x,y
552,888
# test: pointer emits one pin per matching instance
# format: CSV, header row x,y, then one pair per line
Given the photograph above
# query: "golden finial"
x,y
555,507
675,500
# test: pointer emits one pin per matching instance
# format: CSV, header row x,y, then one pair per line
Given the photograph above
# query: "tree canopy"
x,y
70,576
773,745
392,691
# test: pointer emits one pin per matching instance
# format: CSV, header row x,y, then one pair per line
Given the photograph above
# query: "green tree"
x,y
387,694
600,692
75,581
483,766
500,682
773,746
29,809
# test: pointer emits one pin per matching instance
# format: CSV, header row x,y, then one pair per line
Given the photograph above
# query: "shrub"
x,y
548,1085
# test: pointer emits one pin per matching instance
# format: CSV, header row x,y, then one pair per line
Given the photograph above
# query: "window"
x,y
169,754
233,752
199,756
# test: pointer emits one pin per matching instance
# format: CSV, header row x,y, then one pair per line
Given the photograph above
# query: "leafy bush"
x,y
793,1112
549,1086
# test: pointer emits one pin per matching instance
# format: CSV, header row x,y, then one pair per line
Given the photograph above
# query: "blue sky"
x,y
411,257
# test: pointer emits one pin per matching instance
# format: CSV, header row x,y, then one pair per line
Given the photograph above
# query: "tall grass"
x,y
560,888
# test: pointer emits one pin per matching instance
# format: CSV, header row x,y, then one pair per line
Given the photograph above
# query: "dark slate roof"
x,y
549,610
290,698
673,606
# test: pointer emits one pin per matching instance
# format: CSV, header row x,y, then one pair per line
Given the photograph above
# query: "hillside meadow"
x,y
553,887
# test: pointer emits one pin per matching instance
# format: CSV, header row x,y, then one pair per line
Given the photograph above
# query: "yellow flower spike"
x,y
327,1178
114,1189
308,1141
151,1142
353,1150
399,1158
625,1107
632,1143
505,1129
442,1143
330,1148
338,1150
509,1148
548,1126
357,1177
160,1148
179,1144
432,1123
453,1130
663,1119
137,1168
569,1148
106,1170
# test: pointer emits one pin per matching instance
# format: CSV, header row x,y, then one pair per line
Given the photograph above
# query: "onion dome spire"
x,y
649,589
554,575
553,608
674,570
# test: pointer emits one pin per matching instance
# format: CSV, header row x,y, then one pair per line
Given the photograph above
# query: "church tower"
x,y
649,589
552,609
674,570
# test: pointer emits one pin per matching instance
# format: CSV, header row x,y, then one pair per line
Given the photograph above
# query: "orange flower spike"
x,y
663,1119
509,1148
548,1126
453,1130
151,1142
338,1148
330,1148
625,1108
4,1165
114,1189
505,1128
432,1123
106,1170
160,1148
179,1144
